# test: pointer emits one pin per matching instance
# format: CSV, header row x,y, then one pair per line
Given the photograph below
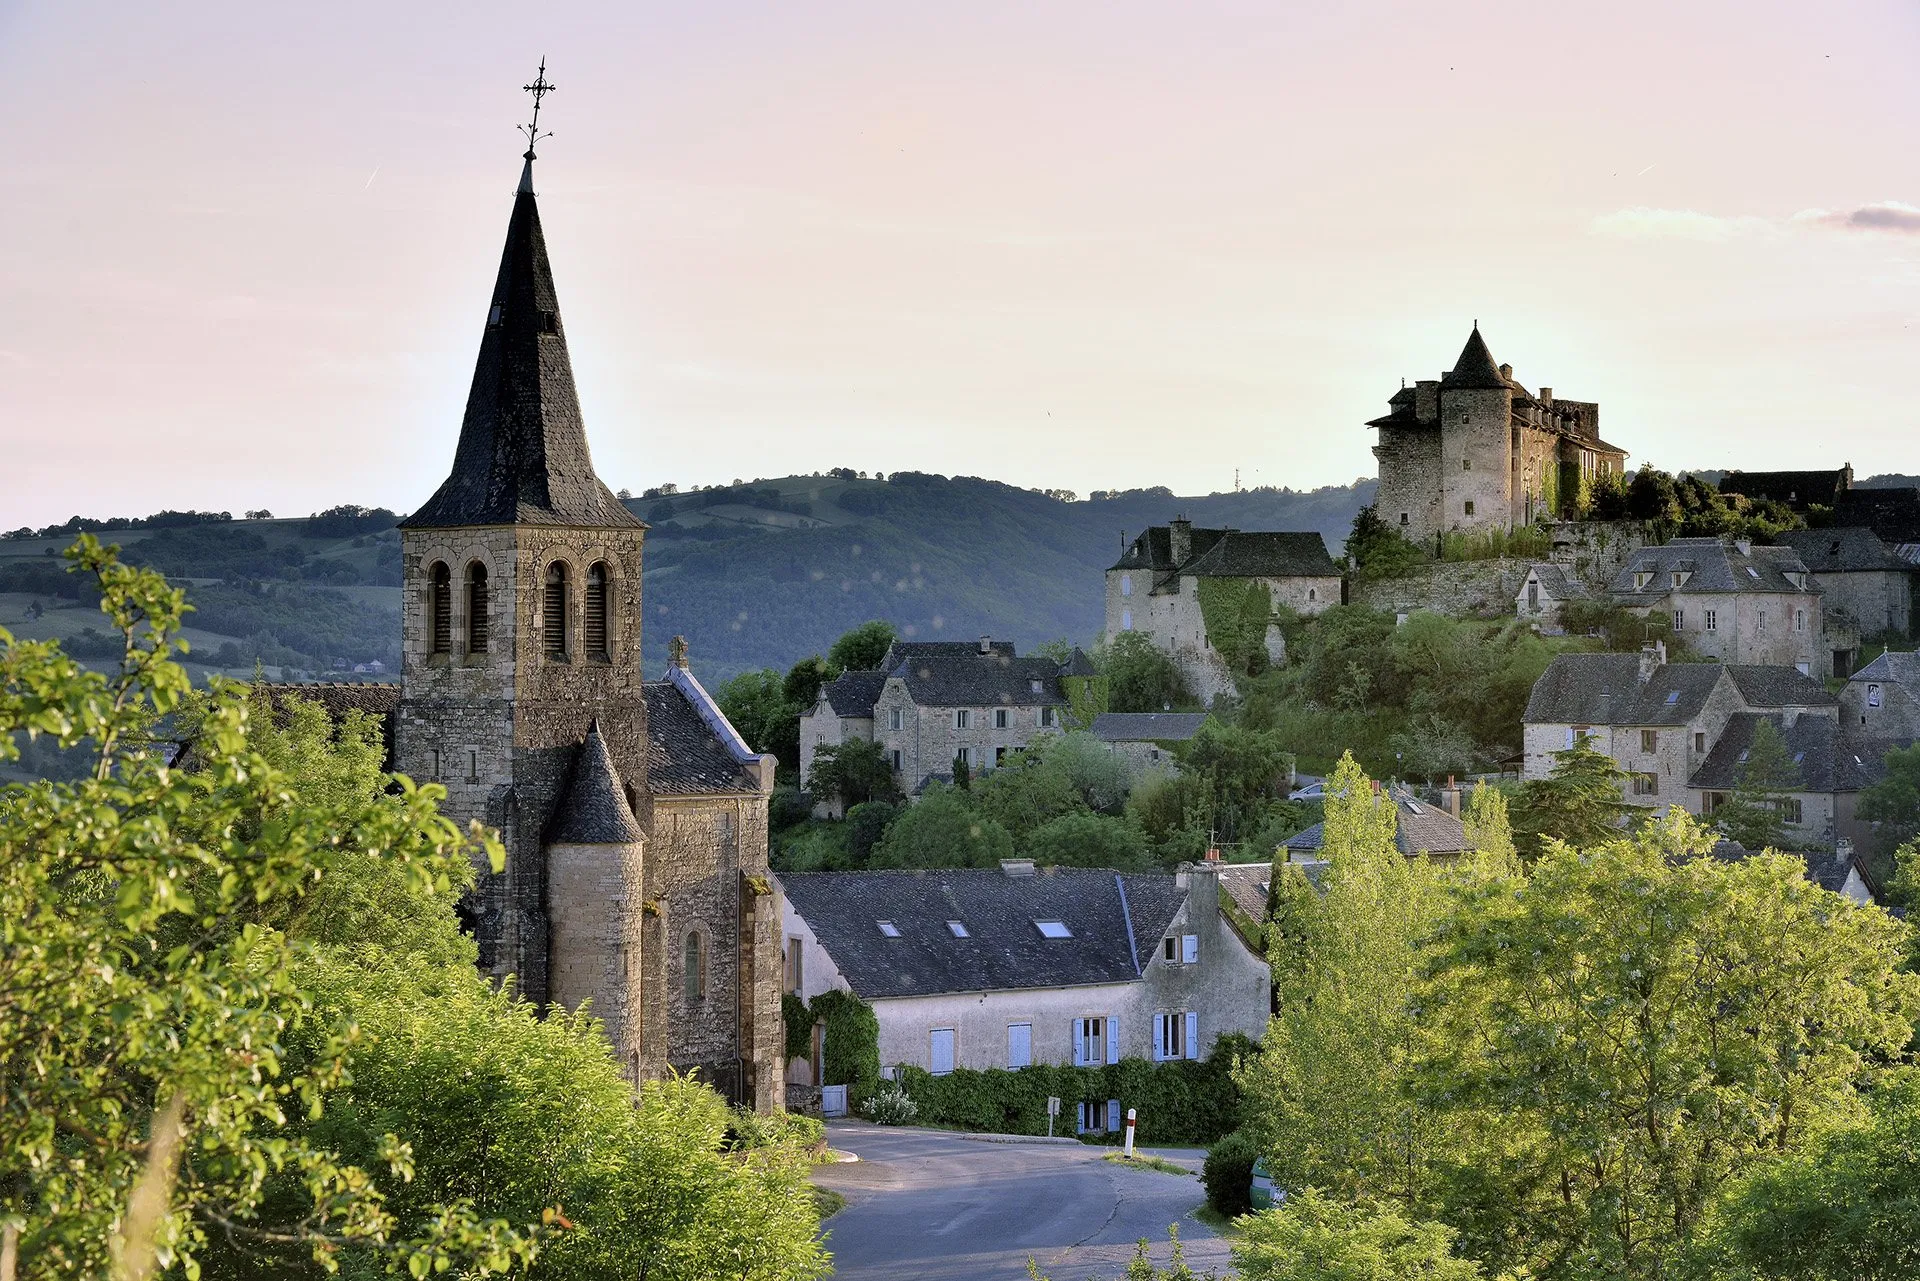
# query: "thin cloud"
x,y
1887,215
1642,223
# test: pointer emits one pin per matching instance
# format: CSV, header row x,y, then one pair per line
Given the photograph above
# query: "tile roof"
x,y
853,694
1246,884
685,756
1147,727
594,810
1822,755
1266,554
1418,828
1476,367
973,679
1605,689
1853,549
1116,921
1079,665
522,456
1713,566
1794,488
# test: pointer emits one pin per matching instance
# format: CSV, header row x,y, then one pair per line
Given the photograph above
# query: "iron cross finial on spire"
x,y
539,89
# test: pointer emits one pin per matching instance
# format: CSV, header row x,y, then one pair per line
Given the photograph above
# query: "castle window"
x,y
1126,584
553,606
694,967
1469,507
441,603
1126,620
477,622
1466,464
1313,594
1799,620
596,611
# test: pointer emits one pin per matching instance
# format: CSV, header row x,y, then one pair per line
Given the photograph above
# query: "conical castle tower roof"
x,y
1476,367
522,457
594,809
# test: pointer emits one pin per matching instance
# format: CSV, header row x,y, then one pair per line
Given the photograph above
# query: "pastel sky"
x,y
246,248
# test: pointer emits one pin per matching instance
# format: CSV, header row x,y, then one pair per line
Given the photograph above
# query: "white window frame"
x,y
1712,621
963,718
1092,1033
1002,718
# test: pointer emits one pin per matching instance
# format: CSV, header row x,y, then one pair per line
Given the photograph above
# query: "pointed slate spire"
x,y
1476,366
594,809
522,457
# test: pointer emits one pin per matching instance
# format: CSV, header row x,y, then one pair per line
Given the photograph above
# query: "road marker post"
x,y
1130,1119
1053,1110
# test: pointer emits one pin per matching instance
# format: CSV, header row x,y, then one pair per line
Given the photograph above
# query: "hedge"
x,y
1187,1101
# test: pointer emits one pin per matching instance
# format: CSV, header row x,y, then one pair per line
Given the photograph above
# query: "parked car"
x,y
1261,1193
1314,791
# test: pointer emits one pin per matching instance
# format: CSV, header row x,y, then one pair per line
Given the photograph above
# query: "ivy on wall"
x,y
1087,697
1187,1101
1236,612
799,1024
850,1053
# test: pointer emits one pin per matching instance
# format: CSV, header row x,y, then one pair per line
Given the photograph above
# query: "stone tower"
x,y
521,681
1476,444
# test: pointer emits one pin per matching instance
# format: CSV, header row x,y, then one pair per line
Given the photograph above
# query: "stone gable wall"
x,y
928,740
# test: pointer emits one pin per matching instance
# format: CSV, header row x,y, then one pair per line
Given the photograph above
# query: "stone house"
x,y
1475,451
1881,701
1001,968
1144,739
1544,589
1867,586
1155,588
934,703
1659,721
1831,769
1736,602
1798,490
633,816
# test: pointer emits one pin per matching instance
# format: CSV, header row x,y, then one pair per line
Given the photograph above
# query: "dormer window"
x,y
1680,576
1796,578
1642,577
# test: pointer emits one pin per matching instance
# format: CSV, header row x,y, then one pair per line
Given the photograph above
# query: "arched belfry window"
x,y
477,622
553,620
440,606
694,967
595,615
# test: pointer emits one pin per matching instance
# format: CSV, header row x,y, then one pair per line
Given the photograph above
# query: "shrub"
x,y
749,1129
1228,1173
889,1105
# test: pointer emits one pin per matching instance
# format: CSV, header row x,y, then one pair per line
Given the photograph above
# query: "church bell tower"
x,y
521,679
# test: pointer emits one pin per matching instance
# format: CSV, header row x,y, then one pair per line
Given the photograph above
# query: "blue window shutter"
x,y
1193,1034
1113,1040
1114,1119
1079,1043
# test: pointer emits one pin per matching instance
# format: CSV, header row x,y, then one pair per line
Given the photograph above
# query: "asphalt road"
x,y
934,1205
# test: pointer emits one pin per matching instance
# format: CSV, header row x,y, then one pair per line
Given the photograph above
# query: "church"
x,y
634,816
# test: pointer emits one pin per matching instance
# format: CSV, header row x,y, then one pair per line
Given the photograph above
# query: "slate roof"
x,y
1418,827
1246,884
1605,689
1116,920
1894,514
1078,664
1766,686
1852,549
853,694
1265,554
973,679
940,649
1714,566
1827,870
1476,366
1797,489
1147,727
1232,553
684,756
1556,583
594,810
522,456
1893,667
1822,756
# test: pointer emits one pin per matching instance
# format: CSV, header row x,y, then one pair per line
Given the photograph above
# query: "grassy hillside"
x,y
753,575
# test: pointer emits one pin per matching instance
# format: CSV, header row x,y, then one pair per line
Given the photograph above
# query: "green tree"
x,y
1579,802
943,830
800,688
1488,828
867,823
1754,815
1027,791
855,771
1647,1022
1376,549
153,1006
1329,1095
756,704
862,648
1140,678
1432,745
1894,801
1842,1206
1313,1237
1088,840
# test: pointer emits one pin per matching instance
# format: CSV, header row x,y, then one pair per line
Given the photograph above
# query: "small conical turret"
x,y
1476,366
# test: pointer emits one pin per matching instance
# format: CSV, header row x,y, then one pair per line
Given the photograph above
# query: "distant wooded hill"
x,y
753,575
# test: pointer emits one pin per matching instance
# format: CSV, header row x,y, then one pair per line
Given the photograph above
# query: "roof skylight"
x,y
1673,697
1053,929
889,929
959,929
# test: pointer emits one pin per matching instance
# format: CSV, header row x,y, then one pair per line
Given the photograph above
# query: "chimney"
x,y
677,652
1546,395
1213,853
1653,656
986,644
1426,400
1743,546
1180,535
1017,868
1451,797
1506,372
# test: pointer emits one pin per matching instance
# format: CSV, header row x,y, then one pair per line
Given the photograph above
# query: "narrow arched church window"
x,y
694,967
553,623
477,622
596,611
440,604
